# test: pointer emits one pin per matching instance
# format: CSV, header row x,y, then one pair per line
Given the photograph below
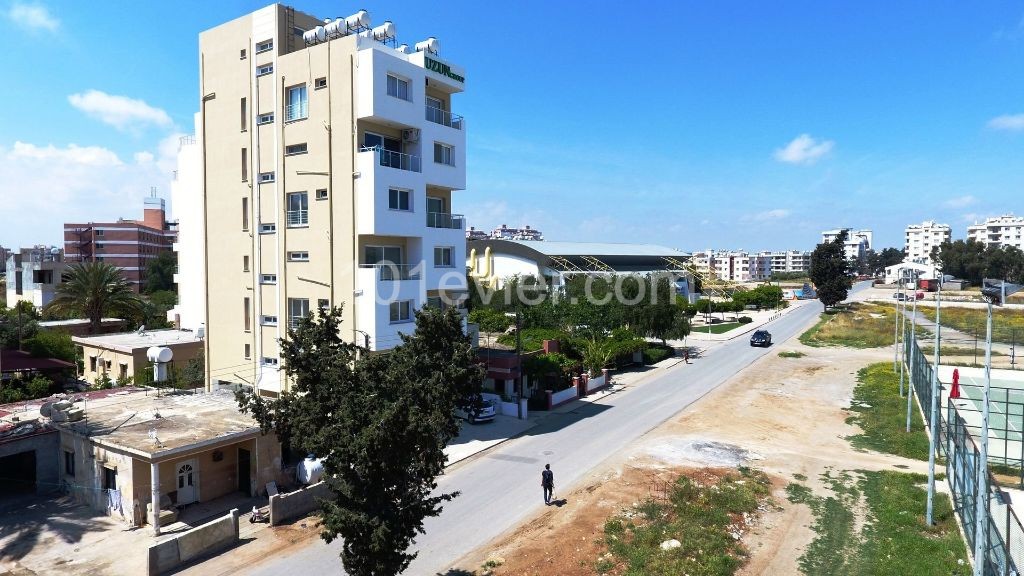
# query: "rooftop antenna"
x,y
141,330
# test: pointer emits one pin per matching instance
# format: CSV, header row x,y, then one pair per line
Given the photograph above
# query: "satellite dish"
x,y
141,329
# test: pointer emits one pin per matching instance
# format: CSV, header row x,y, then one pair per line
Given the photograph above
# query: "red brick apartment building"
x,y
127,244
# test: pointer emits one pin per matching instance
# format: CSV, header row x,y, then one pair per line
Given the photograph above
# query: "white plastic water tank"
x,y
310,470
309,36
360,19
403,48
335,28
159,354
430,45
321,33
384,31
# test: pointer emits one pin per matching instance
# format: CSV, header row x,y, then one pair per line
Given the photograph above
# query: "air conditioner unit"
x,y
411,135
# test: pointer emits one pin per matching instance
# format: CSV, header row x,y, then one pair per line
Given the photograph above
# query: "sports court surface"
x,y
1006,408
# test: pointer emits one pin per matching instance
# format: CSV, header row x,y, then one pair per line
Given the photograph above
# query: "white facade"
x,y
920,239
1006,230
742,266
909,271
33,275
187,201
858,242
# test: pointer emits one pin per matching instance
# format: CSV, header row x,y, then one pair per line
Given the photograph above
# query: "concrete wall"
x,y
297,503
188,546
48,458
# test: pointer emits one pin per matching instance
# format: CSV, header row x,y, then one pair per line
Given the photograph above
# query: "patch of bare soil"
x,y
785,416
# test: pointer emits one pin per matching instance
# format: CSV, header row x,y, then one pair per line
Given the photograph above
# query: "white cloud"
x,y
960,201
120,112
33,17
804,150
1012,122
768,215
44,186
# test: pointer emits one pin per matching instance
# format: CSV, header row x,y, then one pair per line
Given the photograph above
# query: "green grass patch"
x,y
700,516
1006,324
718,328
882,415
859,325
893,539
791,354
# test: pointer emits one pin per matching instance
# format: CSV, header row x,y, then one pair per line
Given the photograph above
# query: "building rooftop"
x,y
17,361
153,425
550,248
130,341
75,322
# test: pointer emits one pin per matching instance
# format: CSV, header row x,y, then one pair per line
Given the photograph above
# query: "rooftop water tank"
x,y
309,36
310,470
403,48
430,45
360,19
321,33
384,31
335,28
159,354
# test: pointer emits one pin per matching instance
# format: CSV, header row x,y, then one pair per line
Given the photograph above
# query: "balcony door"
x,y
371,140
373,255
436,205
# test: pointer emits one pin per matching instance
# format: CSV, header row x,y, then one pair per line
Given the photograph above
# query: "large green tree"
x,y
160,273
830,272
95,290
381,422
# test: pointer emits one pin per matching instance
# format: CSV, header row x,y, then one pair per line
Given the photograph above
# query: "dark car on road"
x,y
761,338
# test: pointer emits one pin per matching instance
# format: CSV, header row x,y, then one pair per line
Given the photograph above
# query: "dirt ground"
x,y
785,416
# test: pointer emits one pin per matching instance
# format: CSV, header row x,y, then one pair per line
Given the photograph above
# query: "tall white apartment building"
x,y
787,261
858,242
1005,230
733,265
187,201
920,239
330,157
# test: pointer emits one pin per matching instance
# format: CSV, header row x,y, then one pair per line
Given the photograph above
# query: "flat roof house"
x,y
123,355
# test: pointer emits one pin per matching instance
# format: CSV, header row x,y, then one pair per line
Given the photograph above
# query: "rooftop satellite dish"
x,y
141,330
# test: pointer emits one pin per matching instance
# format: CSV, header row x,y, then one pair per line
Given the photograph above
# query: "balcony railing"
x,y
389,271
443,117
296,111
298,217
446,220
397,160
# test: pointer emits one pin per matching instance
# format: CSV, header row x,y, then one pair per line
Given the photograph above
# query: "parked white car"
x,y
488,410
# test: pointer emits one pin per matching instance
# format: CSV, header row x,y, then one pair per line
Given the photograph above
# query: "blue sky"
x,y
693,125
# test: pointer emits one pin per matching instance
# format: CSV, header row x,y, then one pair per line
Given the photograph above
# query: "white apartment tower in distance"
x,y
922,238
858,242
331,155
1006,230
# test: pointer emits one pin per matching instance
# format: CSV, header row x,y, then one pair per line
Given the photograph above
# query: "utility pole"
x,y
910,364
933,430
519,364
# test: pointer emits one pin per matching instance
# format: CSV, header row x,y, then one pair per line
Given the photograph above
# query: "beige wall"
x,y
135,361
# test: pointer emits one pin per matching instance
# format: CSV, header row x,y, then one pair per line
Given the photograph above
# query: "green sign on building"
x,y
442,69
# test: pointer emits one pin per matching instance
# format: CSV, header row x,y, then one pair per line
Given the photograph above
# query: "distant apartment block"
x,y
787,261
921,239
742,266
128,244
1005,230
474,234
332,158
33,275
503,232
858,242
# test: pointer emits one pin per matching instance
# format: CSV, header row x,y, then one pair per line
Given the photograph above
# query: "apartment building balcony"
x,y
389,272
446,220
443,117
298,111
392,159
386,298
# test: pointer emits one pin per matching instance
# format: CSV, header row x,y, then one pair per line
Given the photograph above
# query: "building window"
x,y
398,87
298,256
298,209
320,83
109,478
267,320
265,118
401,311
266,177
268,278
92,363
295,149
268,228
443,154
246,313
321,194
99,232
265,46
247,352
245,164
245,263
241,54
443,256
399,199
323,304
265,69
382,254
245,115
69,463
297,106
268,361
245,213
298,308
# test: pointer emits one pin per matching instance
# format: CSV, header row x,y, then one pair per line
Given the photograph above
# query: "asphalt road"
x,y
501,488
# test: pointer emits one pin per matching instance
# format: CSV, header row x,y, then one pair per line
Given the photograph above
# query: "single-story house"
x,y
910,271
123,355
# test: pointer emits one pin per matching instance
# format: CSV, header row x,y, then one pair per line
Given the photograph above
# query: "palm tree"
x,y
95,290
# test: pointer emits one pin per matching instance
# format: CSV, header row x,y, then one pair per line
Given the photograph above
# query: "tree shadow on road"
x,y
23,523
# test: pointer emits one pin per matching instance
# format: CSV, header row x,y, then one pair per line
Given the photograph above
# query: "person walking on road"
x,y
686,355
547,482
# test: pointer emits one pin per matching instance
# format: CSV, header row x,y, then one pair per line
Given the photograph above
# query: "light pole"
x,y
903,326
933,431
910,364
896,328
994,292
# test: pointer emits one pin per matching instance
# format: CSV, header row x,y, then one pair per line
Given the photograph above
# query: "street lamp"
x,y
896,329
910,364
994,292
933,431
